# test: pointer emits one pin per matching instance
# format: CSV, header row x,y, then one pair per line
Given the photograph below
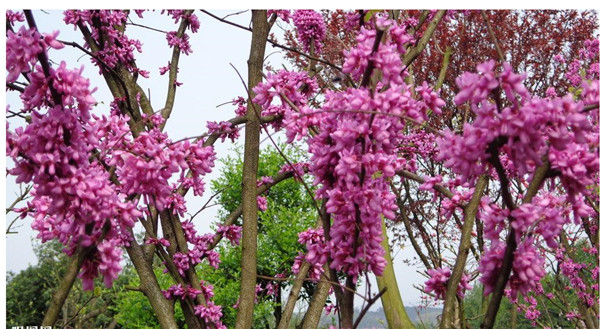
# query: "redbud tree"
x,y
487,161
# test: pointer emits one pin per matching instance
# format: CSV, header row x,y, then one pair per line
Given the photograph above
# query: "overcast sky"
x,y
208,80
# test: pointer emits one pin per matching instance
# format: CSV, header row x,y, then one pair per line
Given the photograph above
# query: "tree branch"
x,y
171,88
411,55
511,244
463,251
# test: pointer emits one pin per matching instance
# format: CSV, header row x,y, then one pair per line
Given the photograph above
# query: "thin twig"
x,y
206,204
493,36
370,303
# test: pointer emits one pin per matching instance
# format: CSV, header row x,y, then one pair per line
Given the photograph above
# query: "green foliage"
x,y
134,309
290,210
28,293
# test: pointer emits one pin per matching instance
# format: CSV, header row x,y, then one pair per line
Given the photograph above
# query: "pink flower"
x,y
210,312
22,49
262,203
232,232
309,26
284,15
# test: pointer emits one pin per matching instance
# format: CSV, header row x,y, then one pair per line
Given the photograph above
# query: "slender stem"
x,y
364,311
174,67
493,36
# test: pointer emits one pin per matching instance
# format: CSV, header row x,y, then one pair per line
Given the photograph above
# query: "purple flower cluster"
x,y
211,313
387,58
528,129
115,47
310,26
73,199
147,163
182,42
225,129
282,14
233,233
438,283
292,87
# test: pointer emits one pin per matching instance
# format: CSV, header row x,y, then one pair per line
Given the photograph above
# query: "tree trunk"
x,y
62,292
288,311
260,30
149,286
395,313
317,302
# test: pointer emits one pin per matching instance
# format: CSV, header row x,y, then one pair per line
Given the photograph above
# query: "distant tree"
x,y
29,291
287,204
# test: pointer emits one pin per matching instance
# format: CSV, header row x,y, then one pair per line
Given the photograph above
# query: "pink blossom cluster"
x,y
572,270
192,19
264,180
201,248
459,199
355,153
211,313
282,14
156,241
531,128
225,129
14,16
180,291
438,282
316,254
116,48
183,42
73,200
586,66
310,27
147,163
22,49
545,217
261,202
292,87
387,58
233,233
528,268
241,109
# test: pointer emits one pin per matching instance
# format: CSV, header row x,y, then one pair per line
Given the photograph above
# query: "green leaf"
x,y
370,13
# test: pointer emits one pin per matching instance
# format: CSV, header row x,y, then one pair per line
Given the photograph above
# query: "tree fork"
x,y
149,286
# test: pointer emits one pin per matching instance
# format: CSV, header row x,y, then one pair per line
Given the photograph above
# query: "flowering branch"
x,y
174,68
507,263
